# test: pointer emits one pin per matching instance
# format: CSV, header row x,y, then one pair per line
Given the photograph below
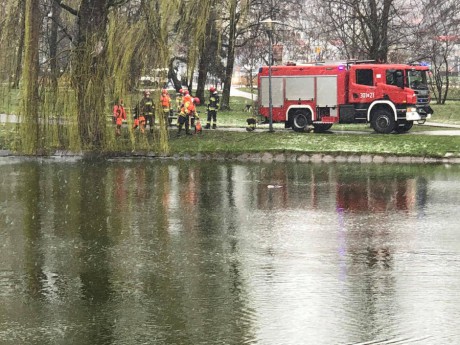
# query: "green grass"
x,y
9,100
446,113
327,143
235,117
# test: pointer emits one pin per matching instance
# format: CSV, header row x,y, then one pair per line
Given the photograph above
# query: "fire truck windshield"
x,y
416,79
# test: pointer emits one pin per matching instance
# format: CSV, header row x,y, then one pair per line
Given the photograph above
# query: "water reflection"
x,y
207,253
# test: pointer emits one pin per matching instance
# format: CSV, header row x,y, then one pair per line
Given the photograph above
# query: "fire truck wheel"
x,y
321,127
299,121
404,126
383,121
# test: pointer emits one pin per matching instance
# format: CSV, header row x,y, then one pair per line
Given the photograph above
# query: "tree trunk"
x,y
207,54
20,51
225,101
30,100
89,74
172,75
446,89
53,44
202,74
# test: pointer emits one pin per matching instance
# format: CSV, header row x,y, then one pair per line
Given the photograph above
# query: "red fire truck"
x,y
388,96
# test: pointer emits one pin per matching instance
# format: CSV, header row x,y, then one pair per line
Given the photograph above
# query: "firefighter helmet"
x,y
186,92
212,89
181,91
196,100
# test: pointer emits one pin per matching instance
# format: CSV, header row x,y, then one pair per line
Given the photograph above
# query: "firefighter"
x,y
213,105
186,96
119,114
147,112
187,112
165,101
187,100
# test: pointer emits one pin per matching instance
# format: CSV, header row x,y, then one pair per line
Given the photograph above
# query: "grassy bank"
x,y
327,143
281,141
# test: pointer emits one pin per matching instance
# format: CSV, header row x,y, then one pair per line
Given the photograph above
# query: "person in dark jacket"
x,y
147,111
213,105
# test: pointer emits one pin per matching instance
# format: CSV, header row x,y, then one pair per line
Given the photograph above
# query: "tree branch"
x,y
114,3
66,7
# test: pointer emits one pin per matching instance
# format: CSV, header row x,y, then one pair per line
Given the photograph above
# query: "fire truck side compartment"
x,y
326,94
300,88
277,92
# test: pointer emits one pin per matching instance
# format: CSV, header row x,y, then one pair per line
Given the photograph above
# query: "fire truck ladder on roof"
x,y
357,62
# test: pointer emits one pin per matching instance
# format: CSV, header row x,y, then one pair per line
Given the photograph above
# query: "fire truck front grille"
x,y
422,97
422,100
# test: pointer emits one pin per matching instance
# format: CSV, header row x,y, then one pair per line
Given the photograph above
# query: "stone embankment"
x,y
262,157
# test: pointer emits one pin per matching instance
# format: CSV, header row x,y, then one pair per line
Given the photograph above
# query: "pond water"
x,y
184,252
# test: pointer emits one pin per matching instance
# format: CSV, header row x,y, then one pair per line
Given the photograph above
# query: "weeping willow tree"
x,y
107,41
150,41
144,42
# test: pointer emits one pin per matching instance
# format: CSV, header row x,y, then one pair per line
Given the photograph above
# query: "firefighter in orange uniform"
x,y
187,110
119,114
165,101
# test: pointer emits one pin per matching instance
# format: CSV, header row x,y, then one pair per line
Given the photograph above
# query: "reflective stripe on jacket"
x,y
213,101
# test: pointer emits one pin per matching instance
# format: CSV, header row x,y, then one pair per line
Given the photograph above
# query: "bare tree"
x,y
365,30
209,51
233,19
435,39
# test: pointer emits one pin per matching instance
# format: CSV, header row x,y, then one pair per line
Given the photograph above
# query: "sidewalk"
x,y
234,91
439,124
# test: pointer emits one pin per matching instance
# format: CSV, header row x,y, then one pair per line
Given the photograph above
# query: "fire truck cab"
x,y
388,96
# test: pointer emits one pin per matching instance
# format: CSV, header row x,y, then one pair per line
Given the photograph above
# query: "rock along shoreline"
x,y
265,157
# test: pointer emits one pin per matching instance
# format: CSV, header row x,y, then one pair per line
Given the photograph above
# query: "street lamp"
x,y
269,26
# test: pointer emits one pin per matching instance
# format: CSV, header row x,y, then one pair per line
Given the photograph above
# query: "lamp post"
x,y
269,25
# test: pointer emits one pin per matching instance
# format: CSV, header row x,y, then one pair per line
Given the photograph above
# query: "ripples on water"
x,y
145,252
